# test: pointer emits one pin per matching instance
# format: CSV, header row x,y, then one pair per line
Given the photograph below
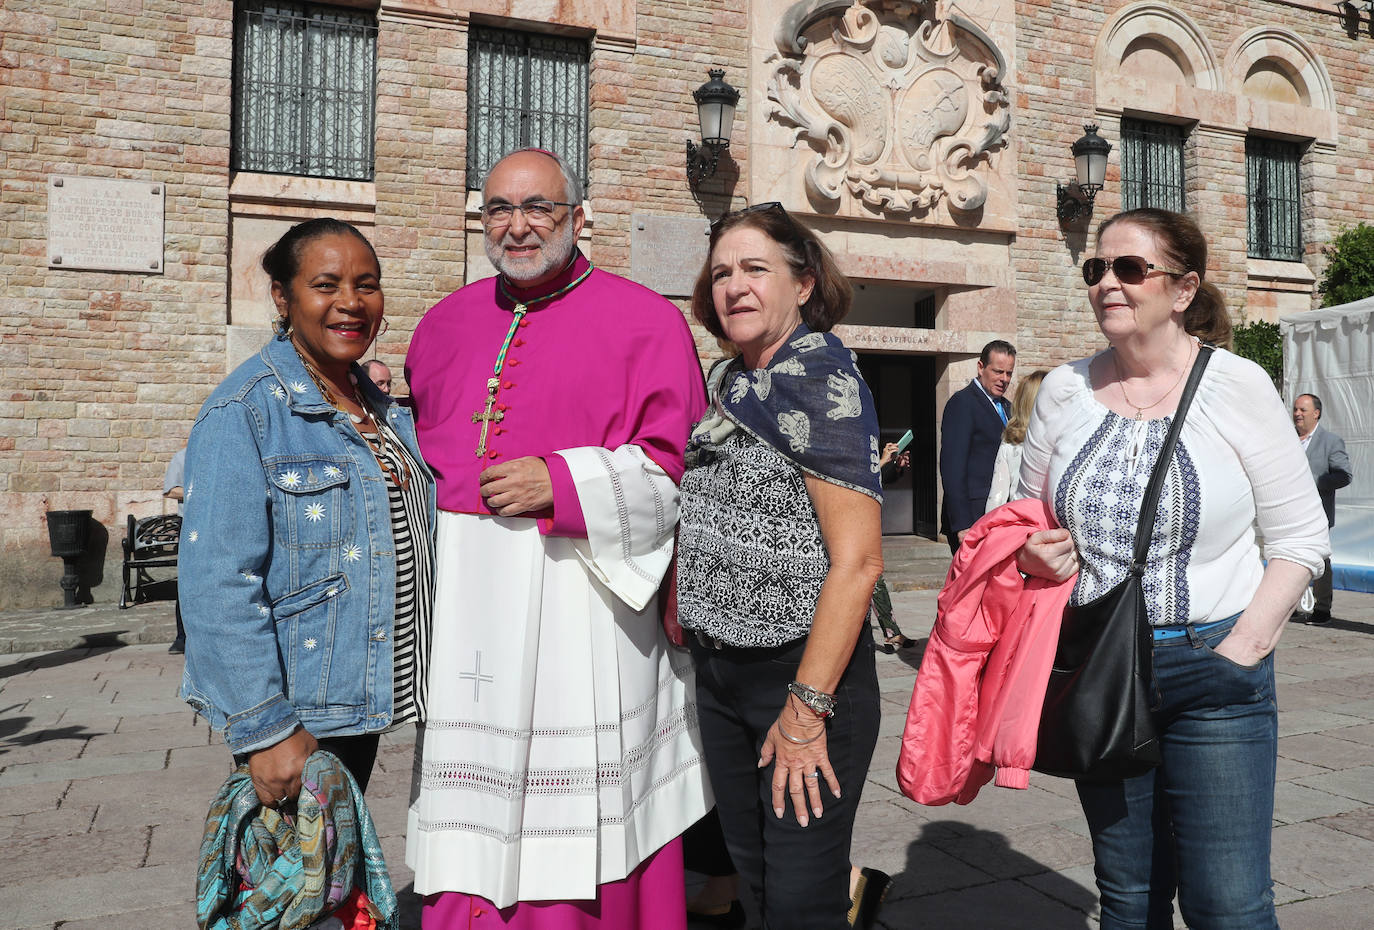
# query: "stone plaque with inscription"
x,y
667,252
103,224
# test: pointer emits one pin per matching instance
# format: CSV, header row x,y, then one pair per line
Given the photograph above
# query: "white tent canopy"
x,y
1330,353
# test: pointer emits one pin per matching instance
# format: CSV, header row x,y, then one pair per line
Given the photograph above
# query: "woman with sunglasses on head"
x,y
779,548
306,545
1199,824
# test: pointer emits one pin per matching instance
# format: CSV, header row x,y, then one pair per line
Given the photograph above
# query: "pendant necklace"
x,y
1121,383
489,415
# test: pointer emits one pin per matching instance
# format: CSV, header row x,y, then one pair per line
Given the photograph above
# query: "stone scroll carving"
x,y
902,100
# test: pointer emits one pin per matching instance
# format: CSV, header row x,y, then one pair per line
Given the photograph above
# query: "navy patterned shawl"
x,y
810,403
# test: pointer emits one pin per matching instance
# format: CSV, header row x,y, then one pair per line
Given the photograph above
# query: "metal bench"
x,y
148,543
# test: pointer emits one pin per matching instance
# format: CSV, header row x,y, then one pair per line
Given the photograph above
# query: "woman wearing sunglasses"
x,y
1198,825
779,548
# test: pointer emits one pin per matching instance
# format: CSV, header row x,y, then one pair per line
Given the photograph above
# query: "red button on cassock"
x,y
508,385
524,322
491,454
518,342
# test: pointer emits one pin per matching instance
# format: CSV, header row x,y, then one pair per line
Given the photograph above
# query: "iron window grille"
x,y
926,311
1274,213
526,90
305,89
1151,165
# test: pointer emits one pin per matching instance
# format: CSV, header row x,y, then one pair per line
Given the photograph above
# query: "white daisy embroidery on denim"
x,y
189,488
291,478
262,609
248,575
310,643
298,387
332,471
277,392
193,536
352,552
314,512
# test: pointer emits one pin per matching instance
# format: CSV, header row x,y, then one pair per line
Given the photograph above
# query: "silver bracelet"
x,y
792,739
821,704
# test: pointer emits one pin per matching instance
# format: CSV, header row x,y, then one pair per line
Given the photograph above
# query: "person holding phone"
x,y
894,461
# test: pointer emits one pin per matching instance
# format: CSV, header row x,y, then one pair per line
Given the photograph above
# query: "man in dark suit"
x,y
970,432
1331,469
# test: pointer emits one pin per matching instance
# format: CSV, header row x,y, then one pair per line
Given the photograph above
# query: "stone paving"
x,y
105,777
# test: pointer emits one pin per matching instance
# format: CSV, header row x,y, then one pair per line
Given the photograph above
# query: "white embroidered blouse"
x,y
1237,469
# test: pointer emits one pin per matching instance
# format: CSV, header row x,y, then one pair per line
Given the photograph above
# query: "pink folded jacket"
x,y
982,680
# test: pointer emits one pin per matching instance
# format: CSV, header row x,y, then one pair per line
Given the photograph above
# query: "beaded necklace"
x,y
380,446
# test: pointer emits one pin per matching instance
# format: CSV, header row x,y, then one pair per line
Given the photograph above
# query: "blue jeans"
x,y
1200,824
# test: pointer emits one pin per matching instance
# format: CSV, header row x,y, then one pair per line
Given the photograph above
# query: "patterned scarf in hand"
x,y
260,870
810,403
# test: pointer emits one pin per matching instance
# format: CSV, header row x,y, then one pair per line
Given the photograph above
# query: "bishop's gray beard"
x,y
554,253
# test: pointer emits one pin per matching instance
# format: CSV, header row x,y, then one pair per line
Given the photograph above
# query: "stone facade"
x,y
923,140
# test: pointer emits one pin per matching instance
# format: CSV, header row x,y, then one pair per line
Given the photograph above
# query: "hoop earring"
x,y
386,324
281,326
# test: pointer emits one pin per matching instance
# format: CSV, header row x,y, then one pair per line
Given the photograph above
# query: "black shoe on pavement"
x,y
731,919
868,897
1320,618
178,646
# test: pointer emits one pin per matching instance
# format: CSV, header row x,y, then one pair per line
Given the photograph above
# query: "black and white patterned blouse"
x,y
751,560
414,584
1237,467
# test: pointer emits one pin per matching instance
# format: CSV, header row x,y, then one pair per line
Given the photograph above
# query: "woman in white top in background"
x,y
1008,464
1200,824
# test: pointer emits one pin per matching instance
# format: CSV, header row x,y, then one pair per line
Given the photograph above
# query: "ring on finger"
x,y
815,774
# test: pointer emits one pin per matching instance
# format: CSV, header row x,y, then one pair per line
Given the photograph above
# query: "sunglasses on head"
x,y
756,208
1129,269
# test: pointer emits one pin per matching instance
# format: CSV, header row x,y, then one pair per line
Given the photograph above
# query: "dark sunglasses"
x,y
1129,269
772,205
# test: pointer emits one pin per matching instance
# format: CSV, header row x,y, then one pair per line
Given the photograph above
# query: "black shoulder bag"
x,y
1096,722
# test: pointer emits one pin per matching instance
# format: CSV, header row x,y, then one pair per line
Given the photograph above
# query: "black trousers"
x,y
800,875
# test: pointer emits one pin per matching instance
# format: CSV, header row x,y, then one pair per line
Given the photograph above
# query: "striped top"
x,y
410,533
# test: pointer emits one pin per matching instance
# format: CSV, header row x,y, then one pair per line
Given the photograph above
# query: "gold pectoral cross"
x,y
488,416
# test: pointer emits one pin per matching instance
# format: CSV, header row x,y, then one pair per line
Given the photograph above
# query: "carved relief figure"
x,y
901,100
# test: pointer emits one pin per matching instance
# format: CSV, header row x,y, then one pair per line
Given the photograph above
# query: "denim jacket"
x,y
286,566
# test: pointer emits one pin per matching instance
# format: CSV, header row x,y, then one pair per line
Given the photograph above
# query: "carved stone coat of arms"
x,y
901,101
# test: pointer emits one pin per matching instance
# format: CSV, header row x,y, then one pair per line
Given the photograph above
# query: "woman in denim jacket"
x,y
306,547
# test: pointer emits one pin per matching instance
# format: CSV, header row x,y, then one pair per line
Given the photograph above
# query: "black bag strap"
x,y
1146,527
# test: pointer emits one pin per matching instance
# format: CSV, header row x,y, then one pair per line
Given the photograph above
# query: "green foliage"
x,y
1349,273
1259,342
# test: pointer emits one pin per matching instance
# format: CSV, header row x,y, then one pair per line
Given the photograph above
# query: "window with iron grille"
x,y
1151,165
1275,198
305,89
525,89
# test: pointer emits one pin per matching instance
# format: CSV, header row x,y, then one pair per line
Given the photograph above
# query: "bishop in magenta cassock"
x,y
560,760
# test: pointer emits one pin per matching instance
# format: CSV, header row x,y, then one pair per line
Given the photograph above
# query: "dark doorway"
x,y
903,388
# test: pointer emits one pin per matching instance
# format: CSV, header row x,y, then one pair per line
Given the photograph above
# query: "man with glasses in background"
x,y
559,761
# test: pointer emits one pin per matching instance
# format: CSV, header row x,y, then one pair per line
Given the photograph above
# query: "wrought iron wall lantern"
x,y
716,101
1349,12
1090,167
